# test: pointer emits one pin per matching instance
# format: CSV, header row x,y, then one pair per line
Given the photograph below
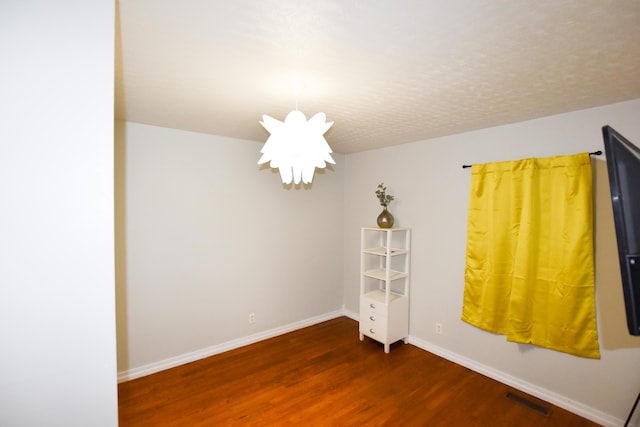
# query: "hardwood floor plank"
x,y
324,376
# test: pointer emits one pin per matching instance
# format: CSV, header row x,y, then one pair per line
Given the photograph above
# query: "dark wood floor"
x,y
324,376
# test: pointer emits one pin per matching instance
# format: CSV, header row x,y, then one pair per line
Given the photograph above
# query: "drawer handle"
x,y
372,331
372,305
373,319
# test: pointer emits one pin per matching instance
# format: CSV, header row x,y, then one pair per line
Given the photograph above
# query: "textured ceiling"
x,y
386,72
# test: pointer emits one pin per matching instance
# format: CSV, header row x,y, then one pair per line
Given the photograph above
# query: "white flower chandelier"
x,y
296,146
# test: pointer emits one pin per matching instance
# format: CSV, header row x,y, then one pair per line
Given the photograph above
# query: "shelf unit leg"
x,y
386,348
361,336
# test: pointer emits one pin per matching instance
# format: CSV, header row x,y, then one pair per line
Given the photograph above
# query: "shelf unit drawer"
x,y
377,331
370,307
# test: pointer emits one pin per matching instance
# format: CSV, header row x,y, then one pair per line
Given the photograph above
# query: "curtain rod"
x,y
594,153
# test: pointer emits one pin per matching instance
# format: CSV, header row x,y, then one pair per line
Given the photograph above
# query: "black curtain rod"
x,y
594,153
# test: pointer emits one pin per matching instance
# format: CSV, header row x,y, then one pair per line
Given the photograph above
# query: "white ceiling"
x,y
386,72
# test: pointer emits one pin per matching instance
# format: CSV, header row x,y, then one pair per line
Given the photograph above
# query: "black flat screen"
x,y
623,166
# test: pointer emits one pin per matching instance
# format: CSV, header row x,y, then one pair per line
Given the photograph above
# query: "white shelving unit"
x,y
384,284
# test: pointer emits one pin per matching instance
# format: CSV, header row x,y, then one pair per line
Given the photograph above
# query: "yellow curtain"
x,y
529,270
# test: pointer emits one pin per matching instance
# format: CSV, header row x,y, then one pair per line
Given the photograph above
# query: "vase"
x,y
385,219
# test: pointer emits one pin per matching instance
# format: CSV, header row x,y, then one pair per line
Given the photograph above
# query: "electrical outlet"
x,y
252,318
439,328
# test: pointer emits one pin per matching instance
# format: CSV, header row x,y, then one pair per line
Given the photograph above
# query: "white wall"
x,y
431,190
205,236
57,311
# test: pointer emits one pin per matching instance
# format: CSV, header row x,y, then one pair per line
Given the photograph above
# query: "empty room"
x,y
273,213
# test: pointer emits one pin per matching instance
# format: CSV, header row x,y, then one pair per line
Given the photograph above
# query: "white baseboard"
x,y
517,383
182,359
351,314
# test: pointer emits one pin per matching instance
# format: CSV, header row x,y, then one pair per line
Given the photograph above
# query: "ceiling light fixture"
x,y
296,146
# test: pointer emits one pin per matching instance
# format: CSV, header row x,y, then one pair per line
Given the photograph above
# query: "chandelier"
x,y
296,147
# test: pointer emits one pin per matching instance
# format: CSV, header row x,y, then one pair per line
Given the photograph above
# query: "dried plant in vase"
x,y
385,219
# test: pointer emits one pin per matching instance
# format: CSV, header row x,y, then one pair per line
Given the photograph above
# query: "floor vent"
x,y
542,410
